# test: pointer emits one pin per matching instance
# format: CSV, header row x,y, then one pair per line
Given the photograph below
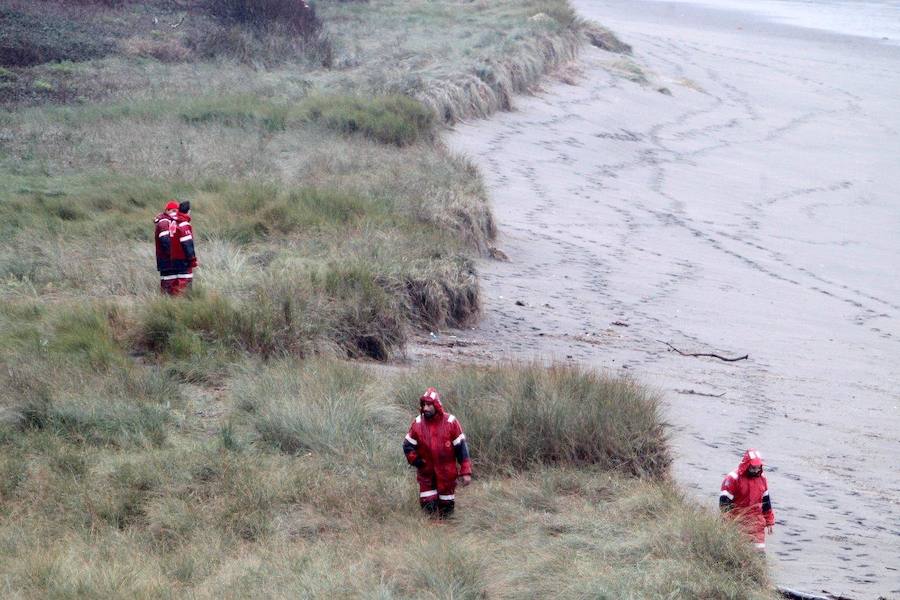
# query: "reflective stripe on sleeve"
x,y
164,233
459,440
726,494
412,441
186,238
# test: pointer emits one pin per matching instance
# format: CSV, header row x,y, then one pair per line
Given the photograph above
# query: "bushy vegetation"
x,y
296,16
28,39
519,417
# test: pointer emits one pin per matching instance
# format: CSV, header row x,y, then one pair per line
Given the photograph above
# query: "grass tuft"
x,y
391,119
519,417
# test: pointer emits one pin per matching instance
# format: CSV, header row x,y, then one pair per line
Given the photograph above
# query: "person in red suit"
x,y
435,445
175,255
744,497
186,240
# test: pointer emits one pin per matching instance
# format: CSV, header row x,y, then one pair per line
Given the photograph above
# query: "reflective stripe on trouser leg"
x,y
428,488
446,497
182,283
168,285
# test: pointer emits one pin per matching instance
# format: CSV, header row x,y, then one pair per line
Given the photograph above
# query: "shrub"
x,y
295,15
27,39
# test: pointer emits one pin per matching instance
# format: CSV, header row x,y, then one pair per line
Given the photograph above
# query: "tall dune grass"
x,y
214,446
314,467
524,416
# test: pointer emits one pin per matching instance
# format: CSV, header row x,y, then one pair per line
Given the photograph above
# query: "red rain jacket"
x,y
174,243
746,499
434,446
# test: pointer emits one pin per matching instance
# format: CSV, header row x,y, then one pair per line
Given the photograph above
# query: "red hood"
x,y
751,457
431,396
183,217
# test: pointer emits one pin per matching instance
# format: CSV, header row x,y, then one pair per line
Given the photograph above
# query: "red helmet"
x,y
171,205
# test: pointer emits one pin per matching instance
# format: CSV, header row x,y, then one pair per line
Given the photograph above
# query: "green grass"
x,y
525,416
314,467
28,39
219,445
392,119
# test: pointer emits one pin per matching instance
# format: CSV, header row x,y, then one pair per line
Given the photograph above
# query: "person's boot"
x,y
445,509
430,508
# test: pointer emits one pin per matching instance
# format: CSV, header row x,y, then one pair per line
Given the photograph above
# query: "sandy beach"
x,y
740,198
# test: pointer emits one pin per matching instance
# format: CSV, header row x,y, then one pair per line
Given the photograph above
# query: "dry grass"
x,y
309,465
152,448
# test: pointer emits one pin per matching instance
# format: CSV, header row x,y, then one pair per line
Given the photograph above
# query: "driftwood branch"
x,y
725,358
693,393
795,595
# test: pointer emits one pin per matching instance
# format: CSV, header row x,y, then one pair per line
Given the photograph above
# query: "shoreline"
x,y
684,228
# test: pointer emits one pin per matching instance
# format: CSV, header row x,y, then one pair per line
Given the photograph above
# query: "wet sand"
x,y
755,210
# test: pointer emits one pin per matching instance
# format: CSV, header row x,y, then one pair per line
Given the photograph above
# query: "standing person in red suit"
x,y
745,497
175,257
186,240
435,445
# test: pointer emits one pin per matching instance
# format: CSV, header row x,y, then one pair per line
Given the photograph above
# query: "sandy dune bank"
x,y
754,210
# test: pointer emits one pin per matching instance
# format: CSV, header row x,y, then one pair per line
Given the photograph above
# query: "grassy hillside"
x,y
220,445
292,484
306,154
